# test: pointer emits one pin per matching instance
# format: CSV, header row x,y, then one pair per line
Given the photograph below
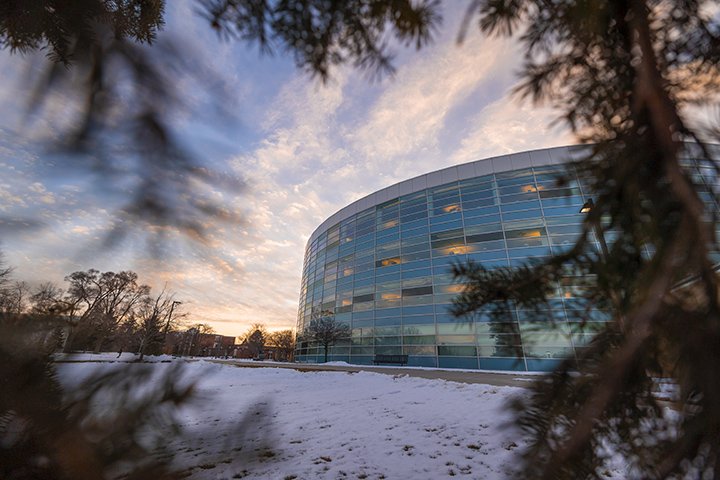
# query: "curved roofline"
x,y
464,171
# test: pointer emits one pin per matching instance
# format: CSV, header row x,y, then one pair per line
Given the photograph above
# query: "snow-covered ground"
x,y
272,423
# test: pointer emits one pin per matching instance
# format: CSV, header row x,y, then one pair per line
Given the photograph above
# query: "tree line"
x,y
94,311
114,311
259,342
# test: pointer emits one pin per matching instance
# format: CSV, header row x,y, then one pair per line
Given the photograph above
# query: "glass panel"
x,y
417,282
410,292
418,330
420,319
485,228
520,206
484,237
499,339
386,331
417,300
388,350
419,350
521,215
419,340
548,352
484,246
362,350
458,328
510,351
455,339
527,242
457,351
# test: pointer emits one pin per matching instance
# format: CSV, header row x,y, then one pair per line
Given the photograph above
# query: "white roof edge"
x,y
496,164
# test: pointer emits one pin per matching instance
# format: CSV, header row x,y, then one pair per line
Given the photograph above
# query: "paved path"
x,y
510,379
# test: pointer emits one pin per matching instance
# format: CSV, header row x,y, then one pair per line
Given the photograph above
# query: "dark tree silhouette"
x,y
256,338
325,330
106,425
284,342
322,34
623,74
47,299
151,320
98,303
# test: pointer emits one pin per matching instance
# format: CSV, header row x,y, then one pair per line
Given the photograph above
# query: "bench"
x,y
401,359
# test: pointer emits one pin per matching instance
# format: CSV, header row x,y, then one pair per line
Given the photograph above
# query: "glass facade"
x,y
385,270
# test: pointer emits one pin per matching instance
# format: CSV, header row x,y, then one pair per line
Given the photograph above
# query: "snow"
x,y
109,357
273,423
130,357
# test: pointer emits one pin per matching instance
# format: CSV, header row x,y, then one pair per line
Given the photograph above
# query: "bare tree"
x,y
79,304
47,305
8,289
99,303
203,328
47,299
14,298
325,330
284,342
255,338
153,318
5,272
123,294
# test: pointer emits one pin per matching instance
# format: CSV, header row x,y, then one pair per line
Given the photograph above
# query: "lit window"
x,y
390,223
451,208
347,271
346,302
454,288
390,261
390,296
531,234
531,188
456,250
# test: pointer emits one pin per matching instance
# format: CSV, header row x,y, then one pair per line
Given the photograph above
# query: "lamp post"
x,y
587,206
169,318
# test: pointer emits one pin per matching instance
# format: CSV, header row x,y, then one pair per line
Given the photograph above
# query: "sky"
x,y
303,148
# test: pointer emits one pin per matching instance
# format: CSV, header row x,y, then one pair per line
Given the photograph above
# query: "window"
x,y
409,292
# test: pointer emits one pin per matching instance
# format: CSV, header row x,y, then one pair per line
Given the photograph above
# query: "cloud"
x,y
37,187
507,126
411,114
9,199
80,229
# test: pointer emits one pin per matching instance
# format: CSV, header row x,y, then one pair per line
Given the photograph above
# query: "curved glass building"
x,y
382,265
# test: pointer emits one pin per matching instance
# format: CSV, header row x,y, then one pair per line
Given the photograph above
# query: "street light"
x,y
587,206
167,322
